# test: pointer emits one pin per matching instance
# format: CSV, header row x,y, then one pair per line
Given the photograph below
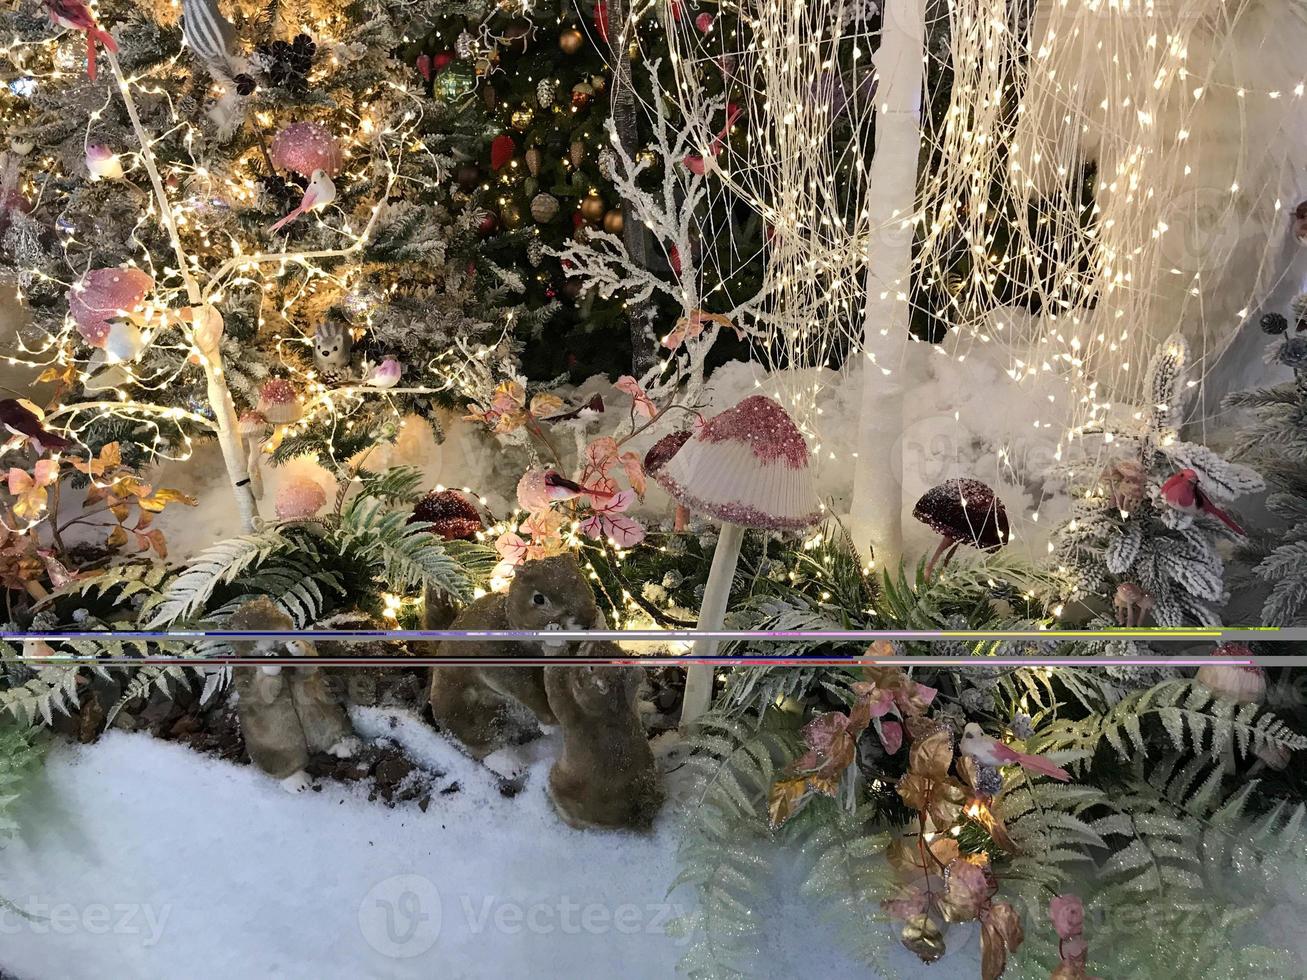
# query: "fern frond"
x,y
218,565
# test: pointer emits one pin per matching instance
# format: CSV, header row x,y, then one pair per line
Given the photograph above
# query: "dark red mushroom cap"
x,y
964,510
664,449
450,514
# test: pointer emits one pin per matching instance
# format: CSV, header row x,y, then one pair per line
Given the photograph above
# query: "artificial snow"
x,y
145,859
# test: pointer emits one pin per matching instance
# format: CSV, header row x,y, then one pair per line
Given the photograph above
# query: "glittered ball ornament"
x,y
451,515
102,295
571,41
305,147
544,208
614,222
593,207
279,402
582,94
299,499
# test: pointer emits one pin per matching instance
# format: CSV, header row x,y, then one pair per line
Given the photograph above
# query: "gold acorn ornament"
x,y
522,118
571,40
614,222
576,153
534,158
582,94
923,937
593,207
544,208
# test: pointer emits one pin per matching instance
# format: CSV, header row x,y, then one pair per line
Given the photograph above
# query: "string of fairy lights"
x,y
179,203
1009,253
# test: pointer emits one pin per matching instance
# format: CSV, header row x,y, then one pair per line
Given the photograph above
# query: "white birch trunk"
x,y
876,516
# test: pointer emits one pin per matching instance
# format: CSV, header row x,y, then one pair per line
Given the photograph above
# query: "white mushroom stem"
x,y
712,616
252,464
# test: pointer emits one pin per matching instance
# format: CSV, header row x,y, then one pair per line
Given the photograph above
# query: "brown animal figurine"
x,y
474,703
286,714
605,777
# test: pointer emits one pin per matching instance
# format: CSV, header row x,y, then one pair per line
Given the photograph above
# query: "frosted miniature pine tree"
x,y
1274,439
1124,543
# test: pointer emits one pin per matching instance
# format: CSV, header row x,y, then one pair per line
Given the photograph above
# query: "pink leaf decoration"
x,y
819,733
891,735
642,403
512,548
634,473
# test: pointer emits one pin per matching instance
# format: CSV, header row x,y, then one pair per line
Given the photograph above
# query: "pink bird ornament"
x,y
384,375
77,16
320,193
697,164
1182,493
539,488
102,163
993,753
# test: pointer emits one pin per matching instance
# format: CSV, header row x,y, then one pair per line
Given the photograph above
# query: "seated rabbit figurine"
x,y
606,776
472,702
285,714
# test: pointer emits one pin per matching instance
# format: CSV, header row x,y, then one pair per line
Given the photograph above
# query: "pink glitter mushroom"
x,y
305,147
962,511
658,456
103,295
300,499
747,467
1245,683
279,402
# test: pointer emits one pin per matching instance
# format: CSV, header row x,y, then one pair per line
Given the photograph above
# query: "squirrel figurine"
x,y
606,777
472,703
286,714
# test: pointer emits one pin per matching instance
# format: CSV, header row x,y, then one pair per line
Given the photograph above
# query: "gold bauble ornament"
x,y
614,222
511,216
522,118
534,158
544,208
593,207
571,40
598,82
648,157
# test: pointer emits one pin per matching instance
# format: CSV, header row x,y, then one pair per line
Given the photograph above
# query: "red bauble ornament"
x,y
502,149
442,60
488,225
704,23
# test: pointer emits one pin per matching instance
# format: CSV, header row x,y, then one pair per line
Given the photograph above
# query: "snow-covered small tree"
x,y
1274,439
1125,543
